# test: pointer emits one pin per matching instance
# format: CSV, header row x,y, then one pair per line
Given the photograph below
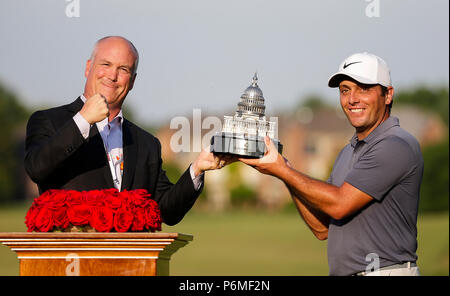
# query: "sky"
x,y
202,54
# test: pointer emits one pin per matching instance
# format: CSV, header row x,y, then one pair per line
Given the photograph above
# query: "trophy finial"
x,y
255,79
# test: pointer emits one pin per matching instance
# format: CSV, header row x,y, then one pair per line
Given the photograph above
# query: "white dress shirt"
x,y
111,133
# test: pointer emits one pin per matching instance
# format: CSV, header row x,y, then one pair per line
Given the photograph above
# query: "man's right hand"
x,y
273,163
95,109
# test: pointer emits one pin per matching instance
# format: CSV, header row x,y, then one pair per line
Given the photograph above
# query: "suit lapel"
x,y
76,105
129,154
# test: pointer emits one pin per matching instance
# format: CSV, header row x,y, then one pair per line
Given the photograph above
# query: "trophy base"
x,y
238,144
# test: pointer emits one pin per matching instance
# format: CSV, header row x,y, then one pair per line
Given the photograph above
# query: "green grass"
x,y
255,243
12,218
248,243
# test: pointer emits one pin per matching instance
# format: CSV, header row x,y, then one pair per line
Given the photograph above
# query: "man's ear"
x,y
389,95
88,68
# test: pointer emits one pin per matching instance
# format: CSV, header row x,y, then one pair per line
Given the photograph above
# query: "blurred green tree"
x,y
434,193
243,196
13,116
315,102
432,99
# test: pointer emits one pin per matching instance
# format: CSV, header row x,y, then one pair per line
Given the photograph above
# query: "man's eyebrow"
x,y
366,86
103,61
129,67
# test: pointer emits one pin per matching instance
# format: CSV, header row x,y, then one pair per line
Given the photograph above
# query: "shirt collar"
x,y
390,122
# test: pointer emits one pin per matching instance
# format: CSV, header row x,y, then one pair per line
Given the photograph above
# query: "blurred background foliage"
x,y
435,184
432,99
434,191
13,116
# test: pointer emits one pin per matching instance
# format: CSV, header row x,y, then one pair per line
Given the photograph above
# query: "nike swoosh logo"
x,y
346,65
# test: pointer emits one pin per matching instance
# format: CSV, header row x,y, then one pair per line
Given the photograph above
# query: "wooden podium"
x,y
94,253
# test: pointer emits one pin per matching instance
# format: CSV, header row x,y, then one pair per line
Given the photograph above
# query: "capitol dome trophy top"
x,y
243,134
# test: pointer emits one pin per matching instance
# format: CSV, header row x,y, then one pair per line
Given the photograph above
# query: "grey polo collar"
x,y
383,127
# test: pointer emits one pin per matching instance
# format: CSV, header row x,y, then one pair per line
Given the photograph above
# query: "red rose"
x,y
141,197
104,210
44,198
44,220
113,202
57,199
138,220
142,192
111,191
79,214
60,217
74,198
153,217
123,220
95,198
140,201
102,219
30,218
126,197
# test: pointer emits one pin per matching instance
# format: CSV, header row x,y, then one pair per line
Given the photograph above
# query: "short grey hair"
x,y
136,62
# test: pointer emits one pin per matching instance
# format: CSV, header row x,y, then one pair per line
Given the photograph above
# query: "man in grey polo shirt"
x,y
368,207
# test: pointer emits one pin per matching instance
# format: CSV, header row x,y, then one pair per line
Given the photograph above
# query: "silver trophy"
x,y
243,134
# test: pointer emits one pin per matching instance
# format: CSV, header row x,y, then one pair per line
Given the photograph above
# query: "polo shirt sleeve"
x,y
381,167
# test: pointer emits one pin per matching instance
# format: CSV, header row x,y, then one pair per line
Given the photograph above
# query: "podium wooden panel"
x,y
93,253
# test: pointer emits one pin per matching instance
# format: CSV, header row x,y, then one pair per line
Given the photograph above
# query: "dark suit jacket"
x,y
58,157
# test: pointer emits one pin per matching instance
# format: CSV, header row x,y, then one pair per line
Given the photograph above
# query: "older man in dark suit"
x,y
88,144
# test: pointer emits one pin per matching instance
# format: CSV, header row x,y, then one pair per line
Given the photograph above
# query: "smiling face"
x,y
365,106
111,71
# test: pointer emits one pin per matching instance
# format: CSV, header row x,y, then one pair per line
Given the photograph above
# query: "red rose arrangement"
x,y
100,210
